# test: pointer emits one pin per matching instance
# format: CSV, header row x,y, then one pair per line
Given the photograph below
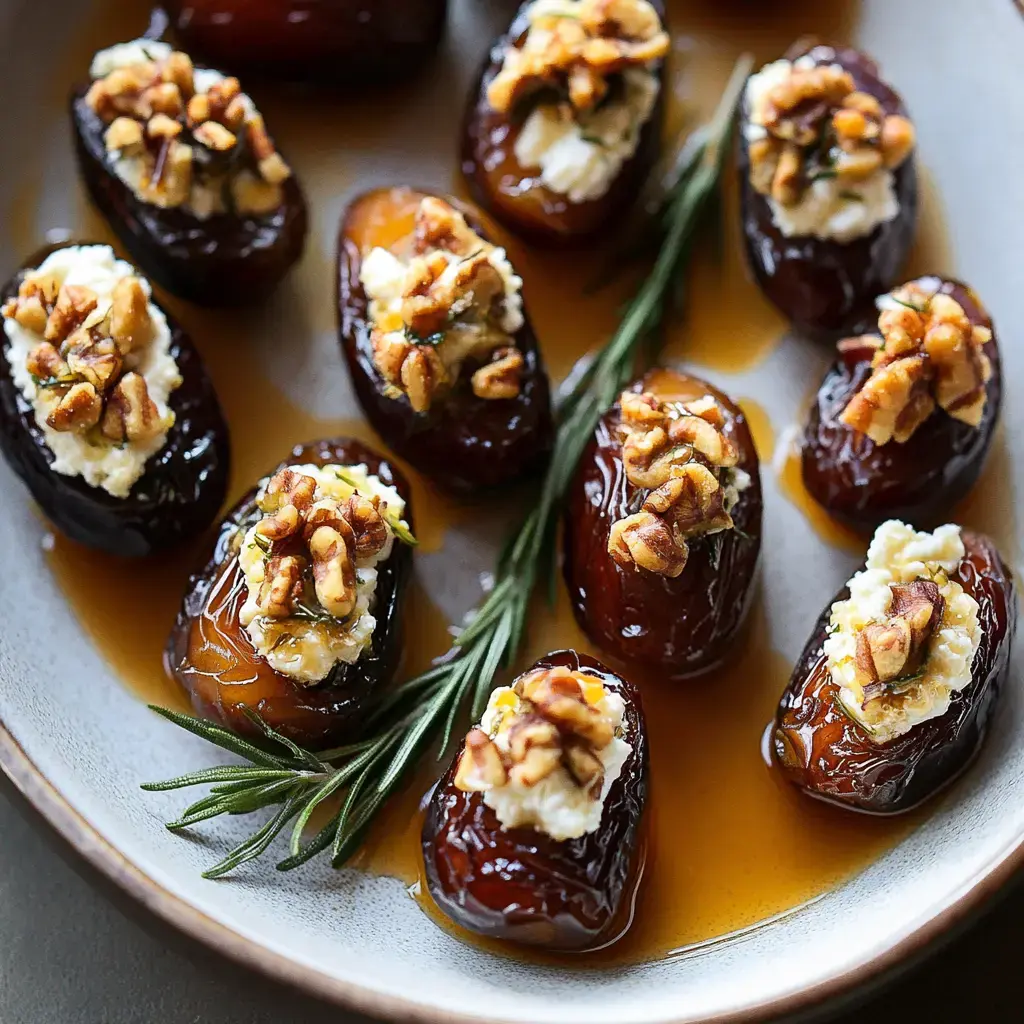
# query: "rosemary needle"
x,y
418,711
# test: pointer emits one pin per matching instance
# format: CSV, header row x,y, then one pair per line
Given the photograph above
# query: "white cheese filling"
x,y
101,463
556,805
580,155
899,554
206,197
308,650
828,208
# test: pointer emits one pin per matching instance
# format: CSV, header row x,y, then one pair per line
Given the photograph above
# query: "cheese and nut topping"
x,y
456,299
310,566
928,355
679,454
904,641
184,137
821,151
92,354
600,57
547,752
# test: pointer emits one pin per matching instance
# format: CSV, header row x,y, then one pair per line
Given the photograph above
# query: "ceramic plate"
x,y
78,741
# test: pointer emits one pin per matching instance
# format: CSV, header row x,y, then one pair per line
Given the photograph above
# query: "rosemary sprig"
x,y
420,710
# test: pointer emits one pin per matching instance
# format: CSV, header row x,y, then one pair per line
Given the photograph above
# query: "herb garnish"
x,y
909,305
366,773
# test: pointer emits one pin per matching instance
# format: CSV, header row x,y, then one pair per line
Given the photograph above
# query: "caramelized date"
x,y
824,752
211,656
919,480
822,284
182,486
680,626
515,195
520,884
312,40
463,442
226,259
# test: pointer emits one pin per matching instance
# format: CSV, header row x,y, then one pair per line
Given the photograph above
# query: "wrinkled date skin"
x,y
680,627
225,260
825,753
863,484
211,656
523,886
464,443
820,284
319,41
500,184
178,495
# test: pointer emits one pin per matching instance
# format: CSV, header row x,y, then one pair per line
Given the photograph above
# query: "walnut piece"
x,y
553,726
282,585
677,452
930,355
157,100
819,125
335,534
577,50
450,310
81,361
898,647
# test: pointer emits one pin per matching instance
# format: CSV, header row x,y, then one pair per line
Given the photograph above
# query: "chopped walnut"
x,y
480,766
79,409
334,534
131,415
819,126
502,377
130,322
930,355
157,100
282,585
578,52
552,725
451,308
896,648
74,304
677,452
334,570
81,361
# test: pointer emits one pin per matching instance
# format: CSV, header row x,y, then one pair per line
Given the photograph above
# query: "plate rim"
x,y
90,844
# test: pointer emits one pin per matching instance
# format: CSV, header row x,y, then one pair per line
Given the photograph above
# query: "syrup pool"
x,y
729,846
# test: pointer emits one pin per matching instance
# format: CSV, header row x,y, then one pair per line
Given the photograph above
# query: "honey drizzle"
x,y
729,845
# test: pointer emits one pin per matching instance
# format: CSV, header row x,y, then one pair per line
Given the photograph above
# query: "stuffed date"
x,y
296,616
895,690
106,411
534,833
663,526
178,159
827,183
564,126
903,421
312,40
442,355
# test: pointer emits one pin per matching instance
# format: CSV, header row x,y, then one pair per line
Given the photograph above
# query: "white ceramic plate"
x,y
77,742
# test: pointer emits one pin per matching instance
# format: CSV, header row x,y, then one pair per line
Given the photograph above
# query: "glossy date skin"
x,y
820,284
182,488
319,41
680,627
518,199
211,656
822,751
225,260
520,884
863,484
464,443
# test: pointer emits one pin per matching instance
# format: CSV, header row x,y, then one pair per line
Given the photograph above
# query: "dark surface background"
x,y
68,955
